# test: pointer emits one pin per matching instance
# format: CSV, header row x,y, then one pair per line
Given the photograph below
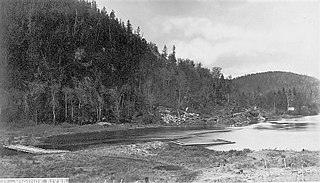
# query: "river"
x,y
286,134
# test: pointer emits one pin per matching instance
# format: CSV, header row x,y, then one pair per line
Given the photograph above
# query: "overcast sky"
x,y
240,36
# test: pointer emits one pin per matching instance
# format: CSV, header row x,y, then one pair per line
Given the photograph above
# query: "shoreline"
x,y
32,134
160,161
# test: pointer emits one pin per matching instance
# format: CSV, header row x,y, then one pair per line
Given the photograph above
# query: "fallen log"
x,y
216,142
32,149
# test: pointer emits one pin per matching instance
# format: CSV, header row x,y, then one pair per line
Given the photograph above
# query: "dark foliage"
x,y
69,61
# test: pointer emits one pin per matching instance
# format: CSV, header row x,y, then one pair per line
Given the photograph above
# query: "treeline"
x,y
279,91
68,61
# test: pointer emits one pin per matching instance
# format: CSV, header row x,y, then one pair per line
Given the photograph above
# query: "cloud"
x,y
205,42
201,27
250,35
202,40
239,64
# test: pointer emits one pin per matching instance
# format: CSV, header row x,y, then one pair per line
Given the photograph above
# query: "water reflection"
x,y
294,134
274,125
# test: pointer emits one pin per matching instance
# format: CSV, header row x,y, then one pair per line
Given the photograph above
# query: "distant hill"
x,y
278,91
274,81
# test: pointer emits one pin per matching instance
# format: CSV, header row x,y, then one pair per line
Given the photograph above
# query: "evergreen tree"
x,y
129,27
164,52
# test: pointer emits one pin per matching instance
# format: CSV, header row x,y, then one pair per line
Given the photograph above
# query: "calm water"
x,y
295,134
286,134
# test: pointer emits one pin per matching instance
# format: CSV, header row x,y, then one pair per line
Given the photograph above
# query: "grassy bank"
x,y
166,162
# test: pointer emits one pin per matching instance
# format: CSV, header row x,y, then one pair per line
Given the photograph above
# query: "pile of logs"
x,y
244,118
169,115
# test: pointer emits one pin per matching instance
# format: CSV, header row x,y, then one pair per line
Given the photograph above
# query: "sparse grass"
x,y
165,162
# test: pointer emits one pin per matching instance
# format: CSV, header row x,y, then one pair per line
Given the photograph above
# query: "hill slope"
x,y
275,80
68,61
278,90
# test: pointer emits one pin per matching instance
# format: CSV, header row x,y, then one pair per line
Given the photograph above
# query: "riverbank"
x,y
166,162
28,134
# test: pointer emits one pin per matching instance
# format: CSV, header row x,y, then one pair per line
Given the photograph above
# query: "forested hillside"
x,y
278,90
68,61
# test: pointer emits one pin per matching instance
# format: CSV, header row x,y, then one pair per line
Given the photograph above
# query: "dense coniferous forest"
x,y
68,61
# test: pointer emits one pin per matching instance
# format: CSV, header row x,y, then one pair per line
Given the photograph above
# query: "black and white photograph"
x,y
159,91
